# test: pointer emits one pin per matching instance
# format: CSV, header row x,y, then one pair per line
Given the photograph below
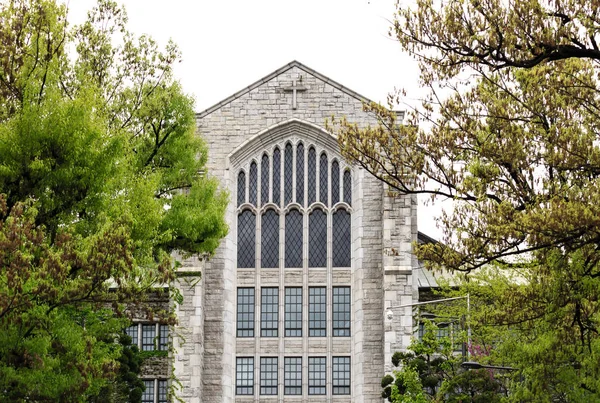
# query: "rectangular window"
x,y
148,395
148,335
317,311
163,337
341,375
268,375
162,391
292,376
293,312
244,376
317,374
132,331
269,312
341,311
245,312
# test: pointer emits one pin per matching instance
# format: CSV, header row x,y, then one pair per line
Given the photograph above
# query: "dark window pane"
x,y
341,311
300,174
253,184
270,239
241,188
335,182
245,312
246,239
293,239
268,375
312,176
277,177
244,376
348,187
288,181
162,391
293,312
148,335
317,311
317,244
132,331
317,374
292,375
341,239
148,395
163,337
341,375
323,179
264,180
269,312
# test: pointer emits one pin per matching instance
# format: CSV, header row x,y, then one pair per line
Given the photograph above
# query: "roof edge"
x,y
277,72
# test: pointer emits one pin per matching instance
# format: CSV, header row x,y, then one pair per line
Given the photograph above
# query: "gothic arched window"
x,y
246,239
264,180
297,178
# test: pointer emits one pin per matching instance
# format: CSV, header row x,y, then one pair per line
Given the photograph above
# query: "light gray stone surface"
x,y
383,228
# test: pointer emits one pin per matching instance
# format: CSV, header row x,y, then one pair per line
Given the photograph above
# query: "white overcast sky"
x,y
227,45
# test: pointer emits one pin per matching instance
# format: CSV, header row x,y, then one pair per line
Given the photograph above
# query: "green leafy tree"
x,y
508,130
102,176
430,372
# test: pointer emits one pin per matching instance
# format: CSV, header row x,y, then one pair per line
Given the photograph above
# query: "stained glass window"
x,y
323,179
277,176
269,254
241,188
246,239
317,244
300,174
288,180
312,175
335,182
293,239
264,180
348,187
253,184
341,239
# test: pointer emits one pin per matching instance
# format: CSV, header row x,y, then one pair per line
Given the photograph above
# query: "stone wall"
x,y
381,226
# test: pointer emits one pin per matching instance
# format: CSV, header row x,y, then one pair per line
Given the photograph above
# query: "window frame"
x,y
245,330
244,384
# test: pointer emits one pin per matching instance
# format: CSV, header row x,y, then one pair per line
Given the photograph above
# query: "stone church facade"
x,y
292,305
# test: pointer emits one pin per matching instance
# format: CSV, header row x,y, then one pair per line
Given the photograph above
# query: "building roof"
x,y
274,74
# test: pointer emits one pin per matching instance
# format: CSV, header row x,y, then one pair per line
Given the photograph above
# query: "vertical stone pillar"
x,y
188,335
399,233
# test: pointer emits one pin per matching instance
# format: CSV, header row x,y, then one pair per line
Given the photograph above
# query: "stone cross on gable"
x,y
294,89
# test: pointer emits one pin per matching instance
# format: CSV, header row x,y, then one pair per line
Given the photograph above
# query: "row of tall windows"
x,y
292,376
292,303
149,336
325,182
155,391
276,236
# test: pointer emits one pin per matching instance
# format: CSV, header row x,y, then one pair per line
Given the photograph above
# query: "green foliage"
x,y
508,129
102,176
430,372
